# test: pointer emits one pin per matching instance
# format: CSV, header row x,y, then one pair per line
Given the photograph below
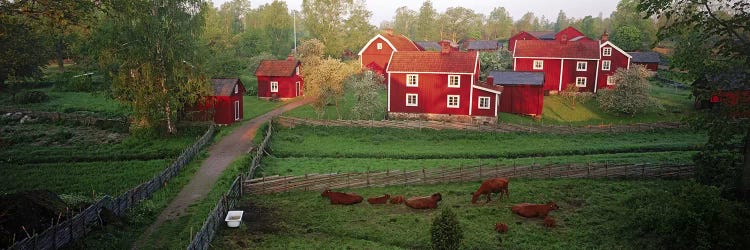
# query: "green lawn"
x,y
345,106
593,214
67,102
254,107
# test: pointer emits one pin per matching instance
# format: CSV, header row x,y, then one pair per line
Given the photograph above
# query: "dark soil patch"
x,y
259,219
29,212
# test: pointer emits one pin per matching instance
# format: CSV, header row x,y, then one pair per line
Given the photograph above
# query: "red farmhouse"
x,y
530,35
522,91
279,79
584,62
439,85
227,100
377,51
650,60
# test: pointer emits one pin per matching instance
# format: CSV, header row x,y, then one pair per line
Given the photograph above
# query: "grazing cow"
x,y
342,198
529,210
397,199
424,202
501,227
549,222
490,186
379,200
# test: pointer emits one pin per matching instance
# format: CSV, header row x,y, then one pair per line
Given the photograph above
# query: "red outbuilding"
x,y
522,91
279,79
376,53
529,35
226,102
440,85
650,60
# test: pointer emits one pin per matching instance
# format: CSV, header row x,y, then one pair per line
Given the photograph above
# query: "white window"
x,y
453,101
236,88
411,100
610,81
380,45
484,102
236,110
581,82
607,51
538,64
581,66
412,80
606,64
454,81
274,86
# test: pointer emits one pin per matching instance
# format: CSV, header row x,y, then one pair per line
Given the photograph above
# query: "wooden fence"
x,y
77,227
215,218
500,128
277,184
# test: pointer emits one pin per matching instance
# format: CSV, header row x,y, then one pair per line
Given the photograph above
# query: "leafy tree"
x,y
627,14
570,94
716,43
366,87
426,29
275,23
446,231
22,53
562,21
499,24
526,23
628,38
324,78
458,23
330,20
404,21
630,94
500,60
357,27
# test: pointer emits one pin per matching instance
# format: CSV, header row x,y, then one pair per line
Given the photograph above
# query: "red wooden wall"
x,y
287,86
432,94
373,54
618,59
520,36
522,99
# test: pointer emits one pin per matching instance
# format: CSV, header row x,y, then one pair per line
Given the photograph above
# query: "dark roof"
x,y
276,67
733,80
433,61
583,49
543,35
224,86
426,45
644,57
517,78
482,45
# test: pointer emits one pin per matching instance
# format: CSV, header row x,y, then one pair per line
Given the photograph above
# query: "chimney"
x,y
564,39
490,80
388,31
290,57
605,36
445,47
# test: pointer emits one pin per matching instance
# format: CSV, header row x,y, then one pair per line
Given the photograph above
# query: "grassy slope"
x,y
590,216
330,111
67,102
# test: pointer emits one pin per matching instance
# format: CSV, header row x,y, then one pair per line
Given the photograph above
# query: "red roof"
x,y
276,68
401,42
555,49
433,61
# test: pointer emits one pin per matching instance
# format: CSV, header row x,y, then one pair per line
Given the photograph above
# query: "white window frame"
x,y
416,100
578,81
610,81
274,87
380,46
585,65
486,102
416,80
458,81
236,88
448,101
297,70
541,64
606,65
236,110
607,51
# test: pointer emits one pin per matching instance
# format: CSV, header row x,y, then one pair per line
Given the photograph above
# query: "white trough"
x,y
234,218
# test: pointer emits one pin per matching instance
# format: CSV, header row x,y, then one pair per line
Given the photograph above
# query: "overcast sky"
x,y
383,10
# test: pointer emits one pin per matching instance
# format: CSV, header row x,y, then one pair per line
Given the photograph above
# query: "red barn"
x,y
522,91
650,60
279,79
439,85
377,51
530,35
571,34
227,100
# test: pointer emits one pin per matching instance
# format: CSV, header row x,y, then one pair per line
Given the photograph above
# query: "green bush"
x,y
446,231
30,96
721,169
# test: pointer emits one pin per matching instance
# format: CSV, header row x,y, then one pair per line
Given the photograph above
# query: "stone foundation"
x,y
443,117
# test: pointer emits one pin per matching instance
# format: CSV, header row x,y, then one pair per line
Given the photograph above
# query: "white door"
x,y
297,92
236,110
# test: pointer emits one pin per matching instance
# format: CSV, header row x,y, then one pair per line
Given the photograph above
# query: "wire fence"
x,y
500,127
77,227
278,184
215,219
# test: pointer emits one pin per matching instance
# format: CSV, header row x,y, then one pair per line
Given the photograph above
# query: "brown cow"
x,y
342,198
490,186
501,227
379,200
529,210
397,199
424,202
549,222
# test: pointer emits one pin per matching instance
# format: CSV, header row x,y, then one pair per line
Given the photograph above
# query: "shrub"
x,y
721,169
33,96
571,95
630,95
446,231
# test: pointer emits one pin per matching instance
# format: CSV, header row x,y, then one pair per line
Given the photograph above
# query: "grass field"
x,y
593,214
345,107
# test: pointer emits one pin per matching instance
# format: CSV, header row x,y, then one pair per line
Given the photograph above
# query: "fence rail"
x,y
215,218
77,227
500,128
278,184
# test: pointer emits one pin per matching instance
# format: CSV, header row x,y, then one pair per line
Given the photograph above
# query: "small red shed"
x,y
227,100
280,79
650,60
522,91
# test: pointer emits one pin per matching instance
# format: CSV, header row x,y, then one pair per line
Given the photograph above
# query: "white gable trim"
x,y
476,64
556,58
373,40
486,89
613,46
388,67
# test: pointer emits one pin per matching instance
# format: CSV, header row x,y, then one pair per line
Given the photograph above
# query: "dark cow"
x,y
490,186
501,227
424,202
342,198
529,210
397,199
549,222
379,200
